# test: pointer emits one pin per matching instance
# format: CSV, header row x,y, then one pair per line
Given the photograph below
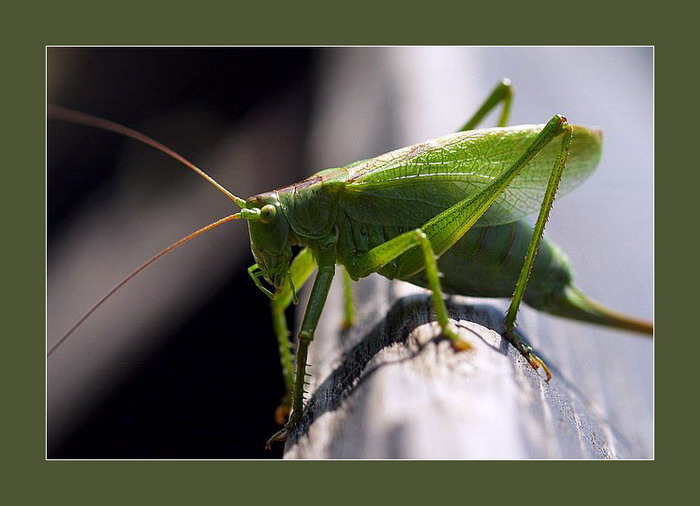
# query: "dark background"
x,y
204,393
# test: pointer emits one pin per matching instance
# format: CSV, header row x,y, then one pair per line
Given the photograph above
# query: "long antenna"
x,y
137,271
64,114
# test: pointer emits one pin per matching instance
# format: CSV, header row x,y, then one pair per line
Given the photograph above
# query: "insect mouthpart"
x,y
277,280
272,268
256,272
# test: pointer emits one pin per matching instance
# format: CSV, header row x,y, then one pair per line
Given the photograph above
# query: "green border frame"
x,y
32,478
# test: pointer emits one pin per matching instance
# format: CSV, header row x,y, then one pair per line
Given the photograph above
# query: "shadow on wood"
x,y
394,388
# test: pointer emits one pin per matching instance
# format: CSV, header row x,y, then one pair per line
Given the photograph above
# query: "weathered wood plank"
x,y
391,388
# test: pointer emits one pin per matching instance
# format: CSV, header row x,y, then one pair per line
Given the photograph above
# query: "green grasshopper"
x,y
446,214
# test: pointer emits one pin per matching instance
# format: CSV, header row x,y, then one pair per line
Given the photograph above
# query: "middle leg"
x,y
381,255
299,272
444,230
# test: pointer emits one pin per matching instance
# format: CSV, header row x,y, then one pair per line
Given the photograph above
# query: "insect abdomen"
x,y
486,262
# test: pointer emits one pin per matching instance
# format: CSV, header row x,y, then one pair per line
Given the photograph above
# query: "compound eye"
x,y
268,213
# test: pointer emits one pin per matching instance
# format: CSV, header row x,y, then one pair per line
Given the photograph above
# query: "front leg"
x,y
301,269
317,300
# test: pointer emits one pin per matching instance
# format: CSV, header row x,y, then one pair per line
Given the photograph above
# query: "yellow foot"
x,y
526,350
346,324
458,344
536,362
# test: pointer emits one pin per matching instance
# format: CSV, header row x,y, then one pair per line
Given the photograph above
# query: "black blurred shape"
x,y
179,404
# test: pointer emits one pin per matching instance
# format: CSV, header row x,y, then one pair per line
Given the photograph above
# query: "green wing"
x,y
406,187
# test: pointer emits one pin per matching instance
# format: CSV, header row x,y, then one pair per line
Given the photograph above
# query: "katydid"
x,y
446,214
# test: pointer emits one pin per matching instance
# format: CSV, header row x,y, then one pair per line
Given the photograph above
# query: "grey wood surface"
x,y
391,387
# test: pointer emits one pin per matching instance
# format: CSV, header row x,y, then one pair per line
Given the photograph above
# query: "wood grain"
x,y
393,388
